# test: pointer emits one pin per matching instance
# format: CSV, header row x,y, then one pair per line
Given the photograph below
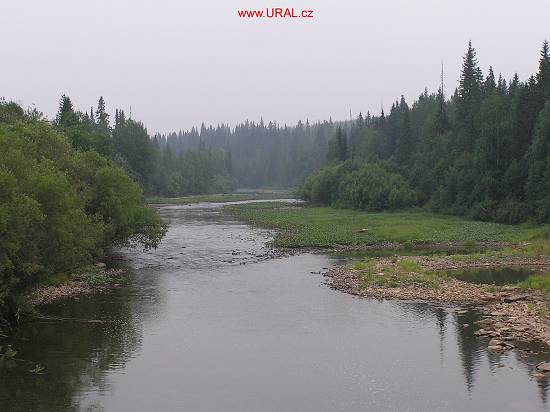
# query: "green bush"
x,y
60,208
359,186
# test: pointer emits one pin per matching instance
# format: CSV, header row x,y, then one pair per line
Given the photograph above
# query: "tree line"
x,y
483,153
157,168
262,154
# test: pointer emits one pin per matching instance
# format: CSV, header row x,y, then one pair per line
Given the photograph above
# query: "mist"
x,y
176,64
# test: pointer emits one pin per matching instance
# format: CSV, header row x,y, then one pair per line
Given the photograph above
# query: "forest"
x,y
262,155
483,153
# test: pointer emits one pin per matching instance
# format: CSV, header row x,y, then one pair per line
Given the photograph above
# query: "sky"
x,y
178,63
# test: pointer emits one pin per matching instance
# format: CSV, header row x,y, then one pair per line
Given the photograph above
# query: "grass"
x,y
57,279
537,282
403,272
220,198
302,226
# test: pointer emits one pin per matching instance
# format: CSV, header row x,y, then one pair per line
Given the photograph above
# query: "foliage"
x,y
358,186
60,207
482,154
537,282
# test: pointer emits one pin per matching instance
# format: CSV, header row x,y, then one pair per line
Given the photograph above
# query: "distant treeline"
x,y
262,155
63,202
483,153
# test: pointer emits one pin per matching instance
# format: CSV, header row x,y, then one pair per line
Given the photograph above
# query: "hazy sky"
x,y
179,62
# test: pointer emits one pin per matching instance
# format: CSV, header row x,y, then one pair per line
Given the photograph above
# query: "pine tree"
x,y
342,142
490,83
404,144
102,117
514,85
543,75
469,98
66,116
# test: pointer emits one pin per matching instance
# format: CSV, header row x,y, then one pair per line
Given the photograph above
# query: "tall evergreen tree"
x,y
543,75
101,115
66,116
469,98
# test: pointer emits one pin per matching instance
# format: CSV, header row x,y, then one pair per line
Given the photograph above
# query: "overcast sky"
x,y
178,63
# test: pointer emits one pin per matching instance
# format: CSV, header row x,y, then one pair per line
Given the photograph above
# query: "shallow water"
x,y
493,276
206,323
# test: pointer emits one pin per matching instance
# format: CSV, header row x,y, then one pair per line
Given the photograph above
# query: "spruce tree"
x,y
102,117
469,98
543,75
490,83
66,116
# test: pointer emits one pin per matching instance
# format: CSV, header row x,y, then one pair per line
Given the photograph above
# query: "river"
x,y
207,323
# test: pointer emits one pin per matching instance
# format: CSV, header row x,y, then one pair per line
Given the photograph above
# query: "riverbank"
x,y
221,198
513,314
92,279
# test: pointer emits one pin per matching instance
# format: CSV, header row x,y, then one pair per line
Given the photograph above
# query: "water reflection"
x,y
492,275
205,323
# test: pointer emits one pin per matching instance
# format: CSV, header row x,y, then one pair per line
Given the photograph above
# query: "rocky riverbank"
x,y
93,279
512,315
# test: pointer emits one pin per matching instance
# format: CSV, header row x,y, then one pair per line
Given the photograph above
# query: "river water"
x,y
207,323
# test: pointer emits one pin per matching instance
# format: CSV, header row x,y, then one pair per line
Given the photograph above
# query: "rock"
x,y
511,299
100,265
540,376
497,313
481,332
497,345
521,328
497,349
496,342
484,322
543,367
465,325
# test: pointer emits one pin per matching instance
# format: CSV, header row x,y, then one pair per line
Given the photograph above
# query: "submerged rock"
x,y
543,367
499,346
540,377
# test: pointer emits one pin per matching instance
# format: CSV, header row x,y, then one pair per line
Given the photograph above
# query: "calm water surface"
x,y
206,323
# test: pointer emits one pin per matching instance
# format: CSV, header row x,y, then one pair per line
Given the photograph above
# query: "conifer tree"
x,y
469,98
543,75
490,83
102,117
66,116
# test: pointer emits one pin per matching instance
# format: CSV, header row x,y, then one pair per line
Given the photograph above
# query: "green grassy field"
x,y
301,226
220,198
